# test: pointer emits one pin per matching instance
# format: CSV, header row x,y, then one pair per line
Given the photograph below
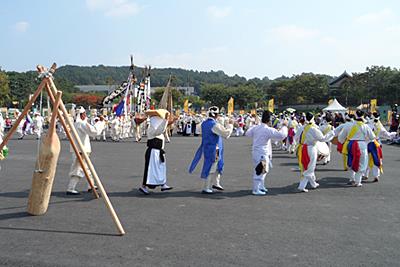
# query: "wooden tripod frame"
x,y
48,84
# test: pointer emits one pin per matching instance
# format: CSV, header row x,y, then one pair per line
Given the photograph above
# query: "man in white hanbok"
x,y
355,138
38,122
261,150
307,138
85,130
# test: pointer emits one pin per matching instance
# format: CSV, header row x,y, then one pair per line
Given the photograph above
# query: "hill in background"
x,y
101,75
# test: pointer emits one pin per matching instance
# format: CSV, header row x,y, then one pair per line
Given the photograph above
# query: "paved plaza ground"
x,y
335,225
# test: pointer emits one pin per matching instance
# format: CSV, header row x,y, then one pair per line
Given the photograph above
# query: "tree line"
x,y
216,87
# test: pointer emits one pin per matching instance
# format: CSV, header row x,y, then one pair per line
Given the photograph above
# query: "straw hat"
x,y
157,112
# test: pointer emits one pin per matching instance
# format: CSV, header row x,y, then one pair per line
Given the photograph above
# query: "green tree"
x,y
157,95
4,89
215,94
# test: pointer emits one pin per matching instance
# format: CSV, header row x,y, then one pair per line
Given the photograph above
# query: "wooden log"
x,y
72,142
46,165
107,201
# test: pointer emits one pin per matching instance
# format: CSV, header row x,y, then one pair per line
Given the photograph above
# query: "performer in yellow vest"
x,y
307,137
375,156
355,138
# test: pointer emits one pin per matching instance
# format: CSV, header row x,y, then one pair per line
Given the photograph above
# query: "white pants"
x,y
363,163
28,129
213,173
76,173
115,133
138,135
309,174
102,135
328,158
259,180
239,131
38,131
292,147
375,172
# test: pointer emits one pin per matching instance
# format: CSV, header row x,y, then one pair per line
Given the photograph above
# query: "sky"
x,y
253,38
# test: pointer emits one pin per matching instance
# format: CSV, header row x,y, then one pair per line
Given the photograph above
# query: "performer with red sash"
x,y
307,154
375,155
355,138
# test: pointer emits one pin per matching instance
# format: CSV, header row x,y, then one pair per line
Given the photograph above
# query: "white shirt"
x,y
222,131
363,134
326,127
85,131
38,121
157,128
378,128
293,124
313,135
341,127
263,133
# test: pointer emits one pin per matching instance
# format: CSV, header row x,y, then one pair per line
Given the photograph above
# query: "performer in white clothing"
x,y
307,137
292,125
262,135
375,164
355,138
326,127
38,122
155,169
85,130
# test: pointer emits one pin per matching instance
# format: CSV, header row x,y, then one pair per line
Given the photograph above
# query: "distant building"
x,y
337,85
185,90
337,82
96,88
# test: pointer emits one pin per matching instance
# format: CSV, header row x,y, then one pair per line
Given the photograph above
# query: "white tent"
x,y
335,107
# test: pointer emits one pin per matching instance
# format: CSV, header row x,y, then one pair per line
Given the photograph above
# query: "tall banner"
x,y
186,106
373,105
271,105
230,106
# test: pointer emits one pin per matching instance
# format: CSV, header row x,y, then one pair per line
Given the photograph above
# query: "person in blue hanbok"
x,y
212,148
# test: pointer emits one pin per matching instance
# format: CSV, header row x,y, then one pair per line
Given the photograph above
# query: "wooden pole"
x,y
72,142
107,201
23,114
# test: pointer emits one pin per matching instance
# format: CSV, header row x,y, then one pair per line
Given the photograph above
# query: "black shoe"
x,y
90,189
166,188
70,193
220,188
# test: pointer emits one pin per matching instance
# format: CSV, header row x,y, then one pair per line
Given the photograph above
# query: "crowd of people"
x,y
358,138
